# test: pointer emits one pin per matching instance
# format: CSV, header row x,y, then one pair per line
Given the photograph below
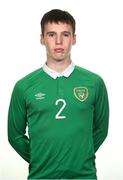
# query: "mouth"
x,y
59,50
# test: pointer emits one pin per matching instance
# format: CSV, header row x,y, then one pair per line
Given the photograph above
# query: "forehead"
x,y
57,27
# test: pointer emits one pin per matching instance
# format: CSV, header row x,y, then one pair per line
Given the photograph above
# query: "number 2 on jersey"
x,y
58,116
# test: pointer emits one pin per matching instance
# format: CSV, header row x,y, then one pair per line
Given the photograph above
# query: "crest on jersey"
x,y
81,93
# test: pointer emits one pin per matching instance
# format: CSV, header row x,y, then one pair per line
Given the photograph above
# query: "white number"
x,y
61,109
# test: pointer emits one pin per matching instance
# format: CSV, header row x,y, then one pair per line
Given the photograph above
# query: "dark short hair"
x,y
56,16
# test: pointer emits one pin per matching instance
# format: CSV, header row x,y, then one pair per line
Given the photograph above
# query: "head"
x,y
58,34
56,16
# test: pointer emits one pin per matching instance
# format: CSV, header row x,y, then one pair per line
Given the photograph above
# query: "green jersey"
x,y
67,120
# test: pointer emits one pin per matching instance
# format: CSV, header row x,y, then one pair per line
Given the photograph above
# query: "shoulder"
x,y
89,75
31,78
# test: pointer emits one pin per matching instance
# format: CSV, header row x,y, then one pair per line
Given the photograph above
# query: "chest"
x,y
61,105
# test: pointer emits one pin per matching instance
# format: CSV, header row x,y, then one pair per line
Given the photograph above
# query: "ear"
x,y
42,39
74,39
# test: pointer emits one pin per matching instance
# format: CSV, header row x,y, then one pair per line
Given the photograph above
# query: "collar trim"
x,y
66,73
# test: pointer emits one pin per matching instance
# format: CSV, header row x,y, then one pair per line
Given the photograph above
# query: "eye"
x,y
51,34
66,34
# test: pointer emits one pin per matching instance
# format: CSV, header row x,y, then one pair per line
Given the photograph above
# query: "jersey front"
x,y
60,114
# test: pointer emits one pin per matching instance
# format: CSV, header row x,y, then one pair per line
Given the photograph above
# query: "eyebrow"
x,y
68,32
50,32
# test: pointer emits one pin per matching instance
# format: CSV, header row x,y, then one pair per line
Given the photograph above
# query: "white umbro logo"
x,y
40,95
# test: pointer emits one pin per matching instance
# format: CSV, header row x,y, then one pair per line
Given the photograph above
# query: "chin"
x,y
59,60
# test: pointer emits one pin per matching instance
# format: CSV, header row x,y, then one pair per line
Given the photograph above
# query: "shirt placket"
x,y
60,87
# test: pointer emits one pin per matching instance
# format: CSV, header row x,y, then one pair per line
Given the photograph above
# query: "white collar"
x,y
55,74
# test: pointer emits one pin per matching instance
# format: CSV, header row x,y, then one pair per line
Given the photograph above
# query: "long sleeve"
x,y
17,123
101,115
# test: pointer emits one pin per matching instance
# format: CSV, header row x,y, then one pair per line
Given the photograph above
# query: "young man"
x,y
64,106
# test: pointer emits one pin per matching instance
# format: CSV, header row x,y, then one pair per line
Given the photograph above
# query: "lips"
x,y
58,50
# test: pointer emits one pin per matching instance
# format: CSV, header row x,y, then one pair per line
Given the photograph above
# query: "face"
x,y
58,40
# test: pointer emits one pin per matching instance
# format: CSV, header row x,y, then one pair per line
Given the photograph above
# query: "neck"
x,y
58,66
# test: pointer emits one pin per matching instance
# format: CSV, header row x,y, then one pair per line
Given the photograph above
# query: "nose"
x,y
58,39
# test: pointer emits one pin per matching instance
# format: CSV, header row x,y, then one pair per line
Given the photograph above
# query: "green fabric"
x,y
67,121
